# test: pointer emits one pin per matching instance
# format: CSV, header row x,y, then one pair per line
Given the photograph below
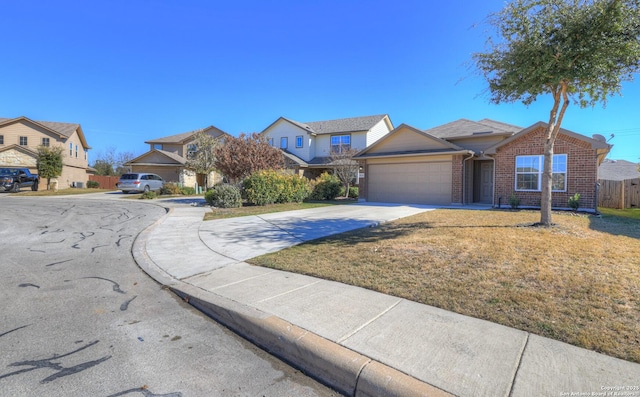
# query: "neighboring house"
x,y
486,162
168,155
308,146
20,138
618,170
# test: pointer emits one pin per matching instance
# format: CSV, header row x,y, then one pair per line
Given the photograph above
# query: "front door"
x,y
486,182
483,182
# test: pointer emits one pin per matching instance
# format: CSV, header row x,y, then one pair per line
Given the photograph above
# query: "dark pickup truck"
x,y
12,179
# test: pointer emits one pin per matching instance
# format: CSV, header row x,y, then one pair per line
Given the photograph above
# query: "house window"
x,y
45,142
270,141
284,142
70,149
192,148
1,139
23,141
76,151
86,153
299,141
340,143
529,173
157,146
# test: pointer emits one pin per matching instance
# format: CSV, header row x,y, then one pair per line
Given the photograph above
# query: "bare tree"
x,y
110,162
240,157
344,166
202,159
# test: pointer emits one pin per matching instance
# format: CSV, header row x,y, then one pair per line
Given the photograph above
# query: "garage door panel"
x,y
411,183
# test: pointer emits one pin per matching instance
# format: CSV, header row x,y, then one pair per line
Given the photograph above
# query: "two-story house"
x,y
168,155
308,146
20,138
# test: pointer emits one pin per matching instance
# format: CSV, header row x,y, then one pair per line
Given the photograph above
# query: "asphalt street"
x,y
78,317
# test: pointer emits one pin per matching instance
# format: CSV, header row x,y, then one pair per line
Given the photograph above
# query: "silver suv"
x,y
139,182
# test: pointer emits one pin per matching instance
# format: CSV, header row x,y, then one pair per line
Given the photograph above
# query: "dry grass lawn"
x,y
246,210
577,282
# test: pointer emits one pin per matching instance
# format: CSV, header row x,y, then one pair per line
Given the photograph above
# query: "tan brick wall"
x,y
581,169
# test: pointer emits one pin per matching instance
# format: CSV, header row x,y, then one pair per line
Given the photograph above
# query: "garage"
x,y
411,183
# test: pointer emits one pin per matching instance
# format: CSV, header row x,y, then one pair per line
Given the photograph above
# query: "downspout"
x,y
464,177
493,184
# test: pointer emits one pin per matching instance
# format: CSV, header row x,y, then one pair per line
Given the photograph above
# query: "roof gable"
x,y
184,137
64,130
595,144
464,128
353,124
405,140
338,126
157,156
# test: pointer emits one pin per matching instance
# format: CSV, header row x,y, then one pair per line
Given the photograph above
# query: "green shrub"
x,y
269,187
293,189
574,202
325,187
187,190
148,195
354,192
224,195
262,188
93,184
170,189
514,201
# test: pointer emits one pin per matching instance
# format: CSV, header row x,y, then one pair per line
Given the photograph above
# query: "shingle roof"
x,y
65,129
618,170
180,138
351,124
467,128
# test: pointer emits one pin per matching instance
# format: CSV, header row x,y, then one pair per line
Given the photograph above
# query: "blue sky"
x,y
133,70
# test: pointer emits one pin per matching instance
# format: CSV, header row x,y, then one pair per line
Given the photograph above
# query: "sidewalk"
x,y
357,341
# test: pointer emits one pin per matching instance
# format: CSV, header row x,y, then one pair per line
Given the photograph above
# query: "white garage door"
x,y
411,183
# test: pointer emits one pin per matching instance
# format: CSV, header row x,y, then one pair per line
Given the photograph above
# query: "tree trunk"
x,y
547,184
555,120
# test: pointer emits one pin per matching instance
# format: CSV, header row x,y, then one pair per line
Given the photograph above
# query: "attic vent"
x,y
482,133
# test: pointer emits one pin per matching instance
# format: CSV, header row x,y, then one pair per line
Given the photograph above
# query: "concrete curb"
x,y
344,370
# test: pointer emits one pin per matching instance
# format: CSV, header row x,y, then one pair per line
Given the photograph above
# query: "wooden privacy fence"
x,y
619,194
105,182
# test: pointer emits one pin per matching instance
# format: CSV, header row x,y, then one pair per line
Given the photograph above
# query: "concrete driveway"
x,y
250,236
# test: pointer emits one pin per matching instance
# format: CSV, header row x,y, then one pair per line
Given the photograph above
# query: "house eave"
x,y
413,154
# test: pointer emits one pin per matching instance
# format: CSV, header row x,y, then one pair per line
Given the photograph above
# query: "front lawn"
x,y
577,282
246,210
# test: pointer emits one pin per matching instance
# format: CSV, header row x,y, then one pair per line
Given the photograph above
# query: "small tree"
x,y
202,160
49,162
344,166
240,157
580,50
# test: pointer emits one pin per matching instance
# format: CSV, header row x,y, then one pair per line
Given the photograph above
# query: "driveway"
x,y
250,236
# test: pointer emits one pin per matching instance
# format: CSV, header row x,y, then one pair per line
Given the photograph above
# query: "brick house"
x,y
466,162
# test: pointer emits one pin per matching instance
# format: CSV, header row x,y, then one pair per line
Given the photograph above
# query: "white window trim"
x,y
301,139
340,145
541,162
284,140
